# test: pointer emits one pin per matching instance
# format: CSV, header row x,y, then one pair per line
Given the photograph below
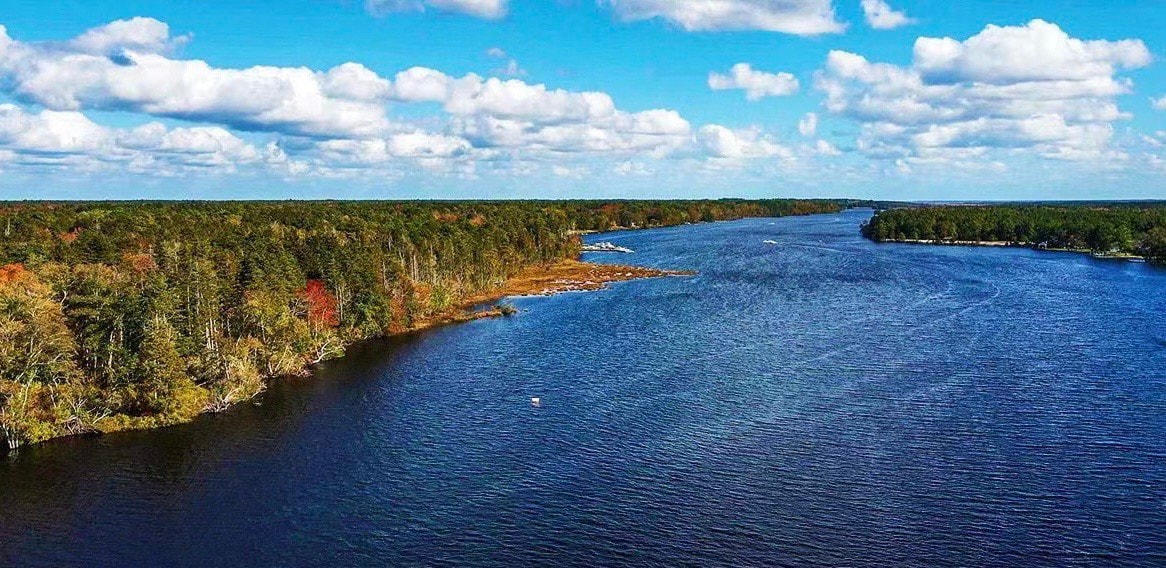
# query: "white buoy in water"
x,y
536,401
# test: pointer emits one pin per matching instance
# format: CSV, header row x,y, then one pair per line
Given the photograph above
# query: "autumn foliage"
x,y
321,304
12,273
139,262
158,311
71,236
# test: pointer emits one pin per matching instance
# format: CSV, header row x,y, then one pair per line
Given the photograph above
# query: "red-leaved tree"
x,y
321,304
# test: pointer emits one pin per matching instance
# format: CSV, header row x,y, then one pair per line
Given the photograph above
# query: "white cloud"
x,y
514,99
808,125
1022,88
417,145
1159,104
511,99
421,84
135,34
70,138
1038,51
493,112
800,17
880,15
756,84
630,168
343,101
486,9
722,142
49,132
331,123
825,148
355,82
207,146
622,133
573,172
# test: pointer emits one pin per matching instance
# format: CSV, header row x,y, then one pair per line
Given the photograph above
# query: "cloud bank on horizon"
x,y
1007,104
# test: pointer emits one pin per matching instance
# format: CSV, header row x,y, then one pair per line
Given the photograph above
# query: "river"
x,y
821,401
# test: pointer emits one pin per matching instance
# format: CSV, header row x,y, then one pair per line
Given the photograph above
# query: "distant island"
x,y
1117,230
126,315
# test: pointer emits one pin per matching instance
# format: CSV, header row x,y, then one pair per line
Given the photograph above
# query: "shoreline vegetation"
x,y
135,315
567,275
1112,255
1132,231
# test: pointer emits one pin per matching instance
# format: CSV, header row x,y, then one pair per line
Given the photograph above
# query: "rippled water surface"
x,y
822,401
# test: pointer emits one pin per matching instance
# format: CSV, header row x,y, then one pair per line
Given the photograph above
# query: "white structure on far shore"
x,y
605,247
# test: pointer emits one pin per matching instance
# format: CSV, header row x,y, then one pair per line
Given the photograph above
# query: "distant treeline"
x,y
1136,229
130,315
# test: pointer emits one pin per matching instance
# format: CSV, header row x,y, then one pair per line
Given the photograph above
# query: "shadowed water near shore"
x,y
821,401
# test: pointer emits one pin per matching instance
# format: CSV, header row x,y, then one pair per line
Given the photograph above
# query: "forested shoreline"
x,y
123,315
1135,229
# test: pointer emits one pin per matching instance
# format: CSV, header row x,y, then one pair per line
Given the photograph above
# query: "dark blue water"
x,y
824,401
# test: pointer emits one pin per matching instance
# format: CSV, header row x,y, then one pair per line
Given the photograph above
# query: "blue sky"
x,y
902,99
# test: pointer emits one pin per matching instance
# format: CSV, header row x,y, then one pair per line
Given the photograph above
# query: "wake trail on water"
x,y
618,406
727,426
929,297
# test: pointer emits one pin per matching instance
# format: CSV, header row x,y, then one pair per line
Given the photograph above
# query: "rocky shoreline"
x,y
1008,244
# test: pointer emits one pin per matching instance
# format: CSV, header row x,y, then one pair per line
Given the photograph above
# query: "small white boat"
x,y
536,401
768,242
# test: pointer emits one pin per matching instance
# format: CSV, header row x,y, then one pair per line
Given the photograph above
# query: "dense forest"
x,y
126,315
1133,229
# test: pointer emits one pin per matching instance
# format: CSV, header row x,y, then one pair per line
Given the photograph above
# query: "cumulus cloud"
x,y
202,146
808,125
355,82
49,132
722,142
331,122
378,151
493,112
135,34
1030,87
343,101
756,84
502,98
70,138
880,15
1038,51
800,17
486,9
1159,104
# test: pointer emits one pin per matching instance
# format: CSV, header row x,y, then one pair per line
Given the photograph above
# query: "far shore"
x,y
1018,244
